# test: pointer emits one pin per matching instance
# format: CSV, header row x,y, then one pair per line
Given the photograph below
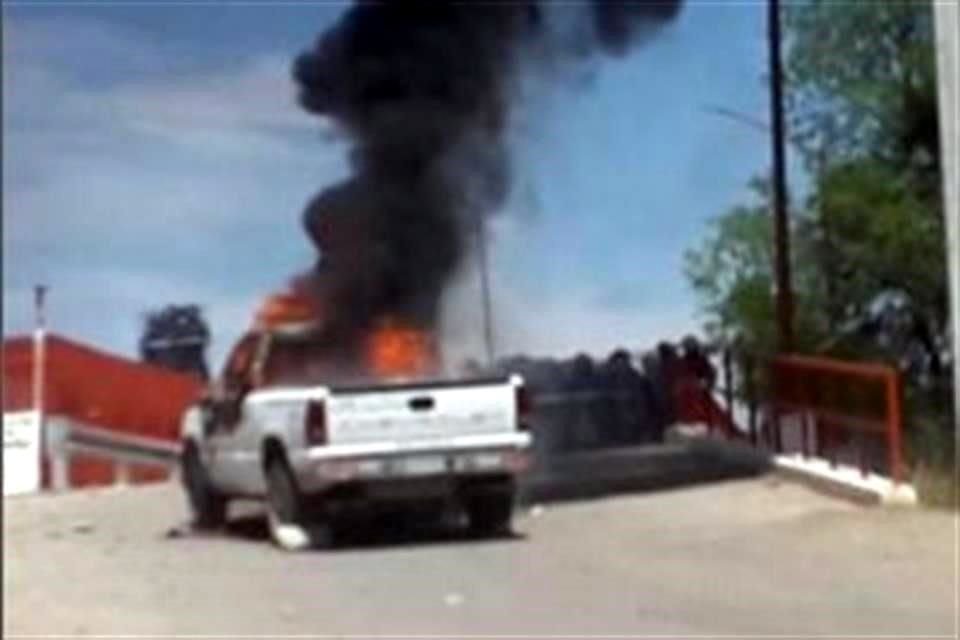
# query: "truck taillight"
x,y
316,423
524,407
516,461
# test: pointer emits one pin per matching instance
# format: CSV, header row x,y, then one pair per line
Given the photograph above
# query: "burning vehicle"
x,y
273,427
334,396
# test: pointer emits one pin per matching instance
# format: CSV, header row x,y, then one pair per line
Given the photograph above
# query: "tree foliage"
x,y
868,248
862,88
732,273
861,81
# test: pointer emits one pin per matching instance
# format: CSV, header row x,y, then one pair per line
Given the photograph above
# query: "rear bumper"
x,y
321,469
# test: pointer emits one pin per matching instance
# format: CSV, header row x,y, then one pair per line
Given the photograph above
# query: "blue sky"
x,y
154,154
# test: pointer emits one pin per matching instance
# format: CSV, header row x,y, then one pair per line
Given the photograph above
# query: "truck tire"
x,y
290,528
490,513
208,506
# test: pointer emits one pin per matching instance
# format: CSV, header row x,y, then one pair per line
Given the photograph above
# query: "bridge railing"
x,y
832,399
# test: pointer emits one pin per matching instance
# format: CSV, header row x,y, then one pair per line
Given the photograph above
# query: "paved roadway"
x,y
756,556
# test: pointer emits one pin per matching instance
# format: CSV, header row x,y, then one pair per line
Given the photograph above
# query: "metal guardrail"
x,y
121,447
66,438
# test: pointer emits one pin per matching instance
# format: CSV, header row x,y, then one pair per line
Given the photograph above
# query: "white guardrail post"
x,y
121,476
58,453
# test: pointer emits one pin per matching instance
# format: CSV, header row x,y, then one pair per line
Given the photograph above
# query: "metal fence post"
x,y
751,393
805,433
728,385
895,425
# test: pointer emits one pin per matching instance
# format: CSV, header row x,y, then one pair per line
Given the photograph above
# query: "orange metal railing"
x,y
840,395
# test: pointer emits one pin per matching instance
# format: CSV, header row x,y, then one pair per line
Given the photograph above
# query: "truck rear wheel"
x,y
208,506
490,513
287,518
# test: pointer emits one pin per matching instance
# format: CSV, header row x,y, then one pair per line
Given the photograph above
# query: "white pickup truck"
x,y
315,452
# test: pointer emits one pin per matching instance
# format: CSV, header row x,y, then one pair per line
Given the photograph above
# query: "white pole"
x,y
39,366
947,22
39,340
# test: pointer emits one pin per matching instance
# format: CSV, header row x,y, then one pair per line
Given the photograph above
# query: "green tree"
x,y
861,87
861,81
862,109
886,238
732,274
862,113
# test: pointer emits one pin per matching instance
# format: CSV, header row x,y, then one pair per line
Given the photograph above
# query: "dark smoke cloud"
x,y
423,90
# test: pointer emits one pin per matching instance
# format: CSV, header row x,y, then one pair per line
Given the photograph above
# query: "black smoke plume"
x,y
423,90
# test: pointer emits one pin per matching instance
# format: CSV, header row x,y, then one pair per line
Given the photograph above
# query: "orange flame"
x,y
286,308
398,351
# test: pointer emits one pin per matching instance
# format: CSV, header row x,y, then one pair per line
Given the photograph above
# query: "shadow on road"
x,y
646,469
375,535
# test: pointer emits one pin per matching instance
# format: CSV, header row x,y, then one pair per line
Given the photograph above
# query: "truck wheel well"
x,y
272,450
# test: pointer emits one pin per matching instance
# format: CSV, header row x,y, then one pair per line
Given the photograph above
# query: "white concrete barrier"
x,y
22,442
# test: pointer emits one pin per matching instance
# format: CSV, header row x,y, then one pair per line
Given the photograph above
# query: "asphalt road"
x,y
741,558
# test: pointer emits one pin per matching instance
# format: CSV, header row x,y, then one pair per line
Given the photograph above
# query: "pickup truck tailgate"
x,y
421,412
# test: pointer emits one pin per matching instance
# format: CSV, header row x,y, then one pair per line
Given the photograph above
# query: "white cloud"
x,y
551,321
258,97
149,187
30,42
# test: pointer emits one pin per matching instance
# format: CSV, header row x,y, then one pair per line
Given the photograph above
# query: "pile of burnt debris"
x,y
622,400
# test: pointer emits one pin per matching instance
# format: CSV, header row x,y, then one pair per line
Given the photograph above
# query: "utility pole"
x,y
781,226
485,292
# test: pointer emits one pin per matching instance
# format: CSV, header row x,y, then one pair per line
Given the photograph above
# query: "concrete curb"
x,y
840,481
872,488
595,474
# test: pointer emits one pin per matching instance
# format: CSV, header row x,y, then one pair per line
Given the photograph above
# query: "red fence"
x,y
833,397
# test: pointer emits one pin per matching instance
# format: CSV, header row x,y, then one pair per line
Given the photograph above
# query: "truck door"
x,y
224,454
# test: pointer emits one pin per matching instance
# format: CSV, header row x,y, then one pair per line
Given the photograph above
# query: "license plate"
x,y
486,461
423,465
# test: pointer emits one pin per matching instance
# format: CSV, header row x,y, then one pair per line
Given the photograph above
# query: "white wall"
x,y
21,452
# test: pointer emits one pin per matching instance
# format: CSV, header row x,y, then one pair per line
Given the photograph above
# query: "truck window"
x,y
297,362
236,371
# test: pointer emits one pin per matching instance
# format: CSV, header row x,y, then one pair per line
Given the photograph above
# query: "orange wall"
x,y
100,389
